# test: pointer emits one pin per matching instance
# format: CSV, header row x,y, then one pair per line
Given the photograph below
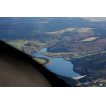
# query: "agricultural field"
x,y
18,44
103,81
84,54
83,29
61,31
27,46
70,55
90,39
58,55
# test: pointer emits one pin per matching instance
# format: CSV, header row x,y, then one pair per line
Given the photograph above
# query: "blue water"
x,y
58,65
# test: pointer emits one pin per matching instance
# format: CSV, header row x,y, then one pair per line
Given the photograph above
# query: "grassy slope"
x,y
41,61
18,45
103,81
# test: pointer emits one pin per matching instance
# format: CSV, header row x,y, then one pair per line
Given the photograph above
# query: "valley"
x,y
81,41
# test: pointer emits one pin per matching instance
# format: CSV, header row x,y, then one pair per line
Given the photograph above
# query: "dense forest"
x,y
93,66
69,46
35,27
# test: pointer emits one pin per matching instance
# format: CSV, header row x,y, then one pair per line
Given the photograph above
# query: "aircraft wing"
x,y
17,69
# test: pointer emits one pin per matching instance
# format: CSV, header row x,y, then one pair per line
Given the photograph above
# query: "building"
x,y
100,84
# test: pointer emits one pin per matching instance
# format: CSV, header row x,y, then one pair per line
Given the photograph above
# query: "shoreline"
x,y
40,58
76,78
47,63
56,57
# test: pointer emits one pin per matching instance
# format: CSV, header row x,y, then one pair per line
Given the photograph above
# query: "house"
x,y
100,84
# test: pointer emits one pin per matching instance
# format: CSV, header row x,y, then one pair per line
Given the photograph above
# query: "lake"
x,y
58,65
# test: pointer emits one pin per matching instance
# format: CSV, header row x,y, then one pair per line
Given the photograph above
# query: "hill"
x,y
81,40
93,66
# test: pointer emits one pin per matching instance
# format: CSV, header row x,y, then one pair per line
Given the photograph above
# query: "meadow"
x,y
41,61
61,31
83,29
103,81
18,44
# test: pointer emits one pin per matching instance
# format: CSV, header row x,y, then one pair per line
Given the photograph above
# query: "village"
x,y
94,83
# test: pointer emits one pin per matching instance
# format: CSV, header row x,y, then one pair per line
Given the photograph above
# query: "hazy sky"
x,y
96,19
90,18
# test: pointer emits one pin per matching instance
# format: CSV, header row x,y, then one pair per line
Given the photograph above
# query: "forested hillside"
x,y
93,66
81,40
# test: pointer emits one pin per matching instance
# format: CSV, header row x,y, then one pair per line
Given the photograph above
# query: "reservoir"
x,y
58,65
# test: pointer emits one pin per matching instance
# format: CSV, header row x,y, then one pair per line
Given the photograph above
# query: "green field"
x,y
58,55
13,43
41,61
83,54
17,44
75,54
103,81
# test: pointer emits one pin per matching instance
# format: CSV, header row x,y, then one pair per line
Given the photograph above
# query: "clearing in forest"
x,y
83,30
61,31
90,39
